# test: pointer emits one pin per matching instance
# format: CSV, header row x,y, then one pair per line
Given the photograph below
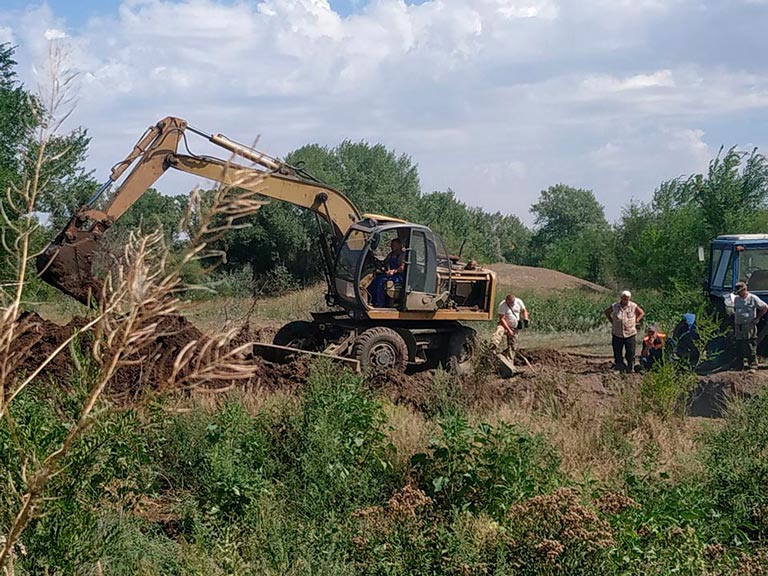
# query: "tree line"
x,y
652,245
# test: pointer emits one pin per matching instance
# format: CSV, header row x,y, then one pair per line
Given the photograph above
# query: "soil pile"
x,y
38,340
546,375
542,280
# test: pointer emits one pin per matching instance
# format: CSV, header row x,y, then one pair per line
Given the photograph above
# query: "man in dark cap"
x,y
748,309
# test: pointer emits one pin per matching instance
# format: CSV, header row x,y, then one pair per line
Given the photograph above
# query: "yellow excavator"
x,y
420,316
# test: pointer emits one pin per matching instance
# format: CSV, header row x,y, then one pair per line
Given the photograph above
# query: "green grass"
x,y
313,484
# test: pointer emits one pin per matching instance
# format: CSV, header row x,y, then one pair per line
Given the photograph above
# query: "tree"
x,y
657,242
152,211
17,119
55,161
572,234
477,234
377,179
563,211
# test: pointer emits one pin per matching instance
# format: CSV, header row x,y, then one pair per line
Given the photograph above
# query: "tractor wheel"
x,y
462,348
298,334
381,348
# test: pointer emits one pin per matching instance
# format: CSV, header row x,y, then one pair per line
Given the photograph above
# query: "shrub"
x,y
557,533
665,388
220,457
737,468
343,458
487,468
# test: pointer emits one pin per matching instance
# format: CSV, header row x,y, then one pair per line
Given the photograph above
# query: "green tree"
x,y
61,182
572,234
378,180
657,241
563,211
17,119
152,211
477,234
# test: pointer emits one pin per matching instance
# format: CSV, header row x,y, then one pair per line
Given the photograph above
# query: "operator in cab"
x,y
394,266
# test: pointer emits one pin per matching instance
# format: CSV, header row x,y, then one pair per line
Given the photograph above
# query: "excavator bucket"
x,y
67,262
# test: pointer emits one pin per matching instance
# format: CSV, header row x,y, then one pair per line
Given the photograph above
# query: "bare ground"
x,y
566,378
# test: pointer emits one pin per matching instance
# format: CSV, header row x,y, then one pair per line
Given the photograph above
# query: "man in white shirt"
x,y
748,311
512,316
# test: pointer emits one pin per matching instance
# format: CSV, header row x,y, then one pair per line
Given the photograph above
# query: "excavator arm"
x,y
67,261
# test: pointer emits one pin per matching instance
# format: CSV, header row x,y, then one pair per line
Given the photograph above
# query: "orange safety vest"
x,y
658,341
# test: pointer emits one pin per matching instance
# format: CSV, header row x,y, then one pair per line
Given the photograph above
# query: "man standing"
x,y
748,309
512,315
624,317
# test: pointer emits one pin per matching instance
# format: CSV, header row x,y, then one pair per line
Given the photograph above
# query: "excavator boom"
x,y
67,262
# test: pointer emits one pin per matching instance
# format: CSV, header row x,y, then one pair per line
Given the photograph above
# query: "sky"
x,y
494,99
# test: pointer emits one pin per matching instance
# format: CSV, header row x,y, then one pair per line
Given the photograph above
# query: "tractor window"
x,y
753,268
442,254
721,264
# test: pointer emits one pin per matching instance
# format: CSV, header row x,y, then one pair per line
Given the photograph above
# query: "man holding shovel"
x,y
512,316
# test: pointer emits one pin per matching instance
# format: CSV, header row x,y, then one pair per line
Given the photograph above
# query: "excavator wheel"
x,y
381,348
298,334
461,353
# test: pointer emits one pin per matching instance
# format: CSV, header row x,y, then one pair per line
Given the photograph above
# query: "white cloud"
x,y
54,34
496,99
6,35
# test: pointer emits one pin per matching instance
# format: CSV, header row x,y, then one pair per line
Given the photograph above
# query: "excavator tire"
x,y
461,353
298,334
381,348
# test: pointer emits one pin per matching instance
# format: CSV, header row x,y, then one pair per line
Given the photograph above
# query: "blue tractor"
x,y
736,258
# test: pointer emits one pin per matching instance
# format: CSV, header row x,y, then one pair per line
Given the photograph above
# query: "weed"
x,y
487,468
666,387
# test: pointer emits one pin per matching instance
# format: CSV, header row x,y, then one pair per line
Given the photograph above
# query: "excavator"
x,y
421,318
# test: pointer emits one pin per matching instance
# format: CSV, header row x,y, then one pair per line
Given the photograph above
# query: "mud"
x,y
147,371
546,377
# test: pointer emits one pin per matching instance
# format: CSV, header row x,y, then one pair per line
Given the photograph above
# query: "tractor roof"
x,y
743,238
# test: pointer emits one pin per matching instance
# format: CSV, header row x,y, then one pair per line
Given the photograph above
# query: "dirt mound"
x,y
541,280
566,361
546,375
416,390
711,396
148,370
289,377
38,340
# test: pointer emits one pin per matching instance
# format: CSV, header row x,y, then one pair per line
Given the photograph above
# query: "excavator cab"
x,y
360,270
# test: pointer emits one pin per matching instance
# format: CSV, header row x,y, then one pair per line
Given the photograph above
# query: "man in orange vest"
x,y
653,347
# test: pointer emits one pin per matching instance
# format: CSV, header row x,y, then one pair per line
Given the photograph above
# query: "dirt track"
x,y
568,377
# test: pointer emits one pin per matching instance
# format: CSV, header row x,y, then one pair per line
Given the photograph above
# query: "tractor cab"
x,y
366,279
737,258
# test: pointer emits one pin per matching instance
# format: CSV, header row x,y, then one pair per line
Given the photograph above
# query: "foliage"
x,y
659,239
738,471
151,212
665,388
485,469
474,233
572,234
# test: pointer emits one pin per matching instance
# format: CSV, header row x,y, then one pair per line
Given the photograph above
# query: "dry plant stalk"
x,y
140,291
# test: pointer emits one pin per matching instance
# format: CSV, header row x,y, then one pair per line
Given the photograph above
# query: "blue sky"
x,y
495,99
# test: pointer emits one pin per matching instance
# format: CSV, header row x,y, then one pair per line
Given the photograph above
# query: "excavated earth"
x,y
548,374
